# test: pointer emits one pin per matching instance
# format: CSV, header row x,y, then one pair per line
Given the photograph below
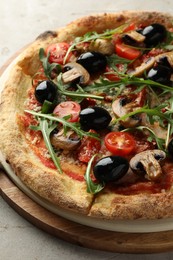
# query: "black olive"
x,y
160,74
128,40
110,168
93,62
154,33
46,90
170,148
96,118
164,62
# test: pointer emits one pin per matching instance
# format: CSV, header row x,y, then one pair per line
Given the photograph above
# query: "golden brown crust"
x,y
59,188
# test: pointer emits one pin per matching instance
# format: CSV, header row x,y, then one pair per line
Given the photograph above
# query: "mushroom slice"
x,y
138,71
74,71
148,162
135,36
124,105
103,46
68,141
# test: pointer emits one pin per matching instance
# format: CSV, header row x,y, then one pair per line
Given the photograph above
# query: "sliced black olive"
x,y
170,148
160,74
154,34
46,90
96,118
111,168
93,61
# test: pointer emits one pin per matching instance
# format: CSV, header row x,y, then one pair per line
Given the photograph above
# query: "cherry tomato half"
x,y
120,143
57,52
67,108
126,52
89,146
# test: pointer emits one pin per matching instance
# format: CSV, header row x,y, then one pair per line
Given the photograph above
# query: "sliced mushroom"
x,y
74,71
68,141
148,162
122,106
103,46
135,36
145,66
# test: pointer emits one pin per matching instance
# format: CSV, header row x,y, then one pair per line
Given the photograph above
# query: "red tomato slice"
x,y
89,146
57,52
120,143
126,52
68,108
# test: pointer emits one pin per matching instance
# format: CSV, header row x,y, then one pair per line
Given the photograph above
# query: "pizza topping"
x,y
46,90
126,51
68,108
57,51
93,62
96,118
148,162
104,46
75,72
110,169
145,66
160,74
120,143
67,141
133,36
126,104
154,34
88,148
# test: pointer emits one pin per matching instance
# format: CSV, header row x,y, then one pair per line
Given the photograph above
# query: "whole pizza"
x,y
86,116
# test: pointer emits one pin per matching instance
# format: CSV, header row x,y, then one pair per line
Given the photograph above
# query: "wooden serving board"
x,y
82,235
76,233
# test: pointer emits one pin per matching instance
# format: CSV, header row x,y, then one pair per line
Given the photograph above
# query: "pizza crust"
x,y
57,188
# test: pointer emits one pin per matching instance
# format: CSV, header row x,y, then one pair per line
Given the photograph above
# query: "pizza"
x,y
87,116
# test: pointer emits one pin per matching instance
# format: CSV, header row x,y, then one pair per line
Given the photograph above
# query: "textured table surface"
x,y
20,23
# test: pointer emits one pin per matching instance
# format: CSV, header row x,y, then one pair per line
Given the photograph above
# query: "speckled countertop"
x,y
20,23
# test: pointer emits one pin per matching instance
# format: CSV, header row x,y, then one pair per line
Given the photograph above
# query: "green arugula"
x,y
125,80
92,36
48,67
74,126
159,141
46,128
92,187
79,93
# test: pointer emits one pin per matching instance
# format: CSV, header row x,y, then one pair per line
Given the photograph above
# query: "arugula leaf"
x,y
149,111
92,36
125,80
92,187
159,141
79,93
168,43
46,128
48,67
74,126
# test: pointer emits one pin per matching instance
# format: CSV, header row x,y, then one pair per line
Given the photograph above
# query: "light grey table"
x,y
20,23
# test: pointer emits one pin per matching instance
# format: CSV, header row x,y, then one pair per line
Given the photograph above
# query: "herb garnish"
x,y
92,187
92,36
48,67
46,128
70,125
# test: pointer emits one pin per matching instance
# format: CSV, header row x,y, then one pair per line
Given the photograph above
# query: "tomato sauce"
x,y
145,186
